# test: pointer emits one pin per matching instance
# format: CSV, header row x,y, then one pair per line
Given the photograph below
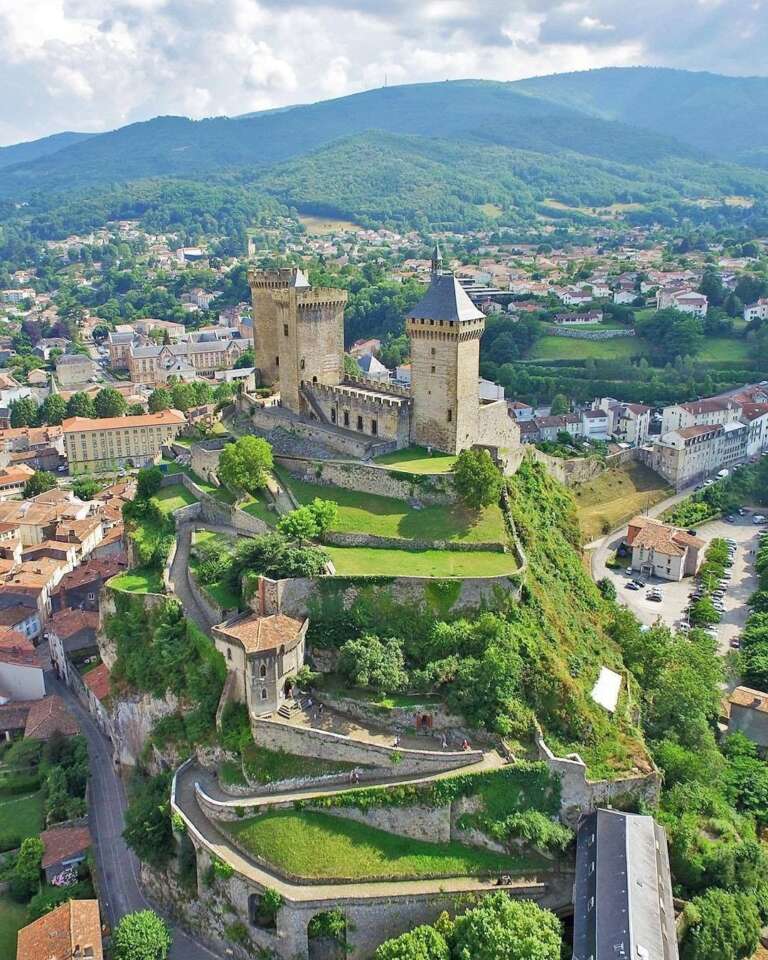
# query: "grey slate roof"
x,y
623,906
445,300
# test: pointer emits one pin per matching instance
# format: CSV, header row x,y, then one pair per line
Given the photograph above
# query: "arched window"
x,y
263,670
264,694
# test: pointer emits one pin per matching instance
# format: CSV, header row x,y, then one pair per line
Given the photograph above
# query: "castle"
x,y
298,334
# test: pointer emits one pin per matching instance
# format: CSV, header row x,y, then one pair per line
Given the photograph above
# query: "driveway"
x,y
741,586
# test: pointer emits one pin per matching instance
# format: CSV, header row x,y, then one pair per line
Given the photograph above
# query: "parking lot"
x,y
675,596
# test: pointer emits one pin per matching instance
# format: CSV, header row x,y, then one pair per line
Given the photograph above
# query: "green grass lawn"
x,y
138,580
220,493
13,916
171,498
387,517
725,348
369,561
316,846
219,591
22,816
417,460
257,507
566,348
615,496
269,766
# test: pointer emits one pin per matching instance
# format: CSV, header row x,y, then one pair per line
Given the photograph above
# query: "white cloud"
x,y
97,64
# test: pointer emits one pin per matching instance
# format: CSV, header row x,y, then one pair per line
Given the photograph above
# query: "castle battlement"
x,y
362,394
380,386
308,299
454,330
272,279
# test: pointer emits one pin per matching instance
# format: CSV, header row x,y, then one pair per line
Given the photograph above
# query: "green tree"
x,y
148,482
559,405
370,662
504,929
147,821
721,926
299,524
246,464
182,396
421,943
477,479
246,359
23,412
24,879
160,399
39,482
671,333
135,410
606,586
80,405
109,403
86,488
141,936
326,513
53,409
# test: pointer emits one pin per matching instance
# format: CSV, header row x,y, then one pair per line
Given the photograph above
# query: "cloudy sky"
x,y
98,64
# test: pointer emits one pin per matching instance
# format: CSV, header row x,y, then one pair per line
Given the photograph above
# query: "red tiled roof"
x,y
259,634
47,716
67,622
92,570
56,934
16,649
61,843
98,681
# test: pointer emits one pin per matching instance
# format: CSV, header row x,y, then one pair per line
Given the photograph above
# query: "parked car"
x,y
639,582
730,519
735,643
632,585
758,518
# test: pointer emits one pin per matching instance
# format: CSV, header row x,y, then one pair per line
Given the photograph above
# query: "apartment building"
x,y
660,550
115,442
757,310
152,365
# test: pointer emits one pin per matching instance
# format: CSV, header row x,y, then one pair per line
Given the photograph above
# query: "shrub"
x,y
477,479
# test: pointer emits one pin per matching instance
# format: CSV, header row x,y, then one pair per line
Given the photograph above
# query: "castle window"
x,y
285,329
359,423
302,363
277,361
264,694
346,418
433,369
263,671
374,427
333,414
433,351
229,653
450,415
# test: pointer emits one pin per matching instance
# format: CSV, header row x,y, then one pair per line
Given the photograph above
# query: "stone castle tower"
x,y
445,329
298,333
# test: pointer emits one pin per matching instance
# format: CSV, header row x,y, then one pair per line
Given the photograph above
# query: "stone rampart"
x,y
323,745
433,488
582,469
580,795
267,419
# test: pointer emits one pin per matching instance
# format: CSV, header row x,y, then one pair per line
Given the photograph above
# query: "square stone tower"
x,y
266,344
445,329
298,333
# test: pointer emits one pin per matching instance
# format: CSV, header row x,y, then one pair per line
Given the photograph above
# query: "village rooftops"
x,y
264,634
698,430
647,532
708,405
17,650
49,716
68,622
162,419
61,843
747,697
98,681
74,926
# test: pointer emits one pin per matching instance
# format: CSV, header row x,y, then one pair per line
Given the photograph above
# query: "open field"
x,y
565,348
315,845
13,916
22,816
387,517
417,460
139,580
616,495
491,210
322,225
725,348
368,562
173,497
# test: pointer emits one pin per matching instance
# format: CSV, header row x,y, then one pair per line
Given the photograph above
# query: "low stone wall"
x,y
429,489
309,742
576,334
403,719
211,510
580,795
397,543
583,469
213,611
267,419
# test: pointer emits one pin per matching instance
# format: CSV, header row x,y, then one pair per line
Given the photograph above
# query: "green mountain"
x,y
32,149
724,116
455,153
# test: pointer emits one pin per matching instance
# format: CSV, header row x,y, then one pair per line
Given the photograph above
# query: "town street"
x,y
117,867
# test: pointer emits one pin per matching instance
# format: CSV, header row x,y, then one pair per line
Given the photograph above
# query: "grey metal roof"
x,y
445,300
623,906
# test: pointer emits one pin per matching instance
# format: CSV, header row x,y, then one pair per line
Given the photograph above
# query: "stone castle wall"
x,y
429,489
378,417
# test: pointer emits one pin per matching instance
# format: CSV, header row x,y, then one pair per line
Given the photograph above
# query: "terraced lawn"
x,y
369,561
387,517
139,580
317,846
417,460
13,916
171,498
615,496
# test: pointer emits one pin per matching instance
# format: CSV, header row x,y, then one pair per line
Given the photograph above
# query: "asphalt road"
x,y
117,867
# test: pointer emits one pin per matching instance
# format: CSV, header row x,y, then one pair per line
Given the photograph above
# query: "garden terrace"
x,y
374,561
417,460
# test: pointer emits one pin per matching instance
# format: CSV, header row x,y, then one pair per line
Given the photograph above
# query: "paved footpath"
x,y
117,867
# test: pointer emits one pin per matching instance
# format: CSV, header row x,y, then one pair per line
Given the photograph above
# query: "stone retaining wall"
x,y
576,334
267,419
397,543
214,511
309,742
429,489
583,469
580,795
